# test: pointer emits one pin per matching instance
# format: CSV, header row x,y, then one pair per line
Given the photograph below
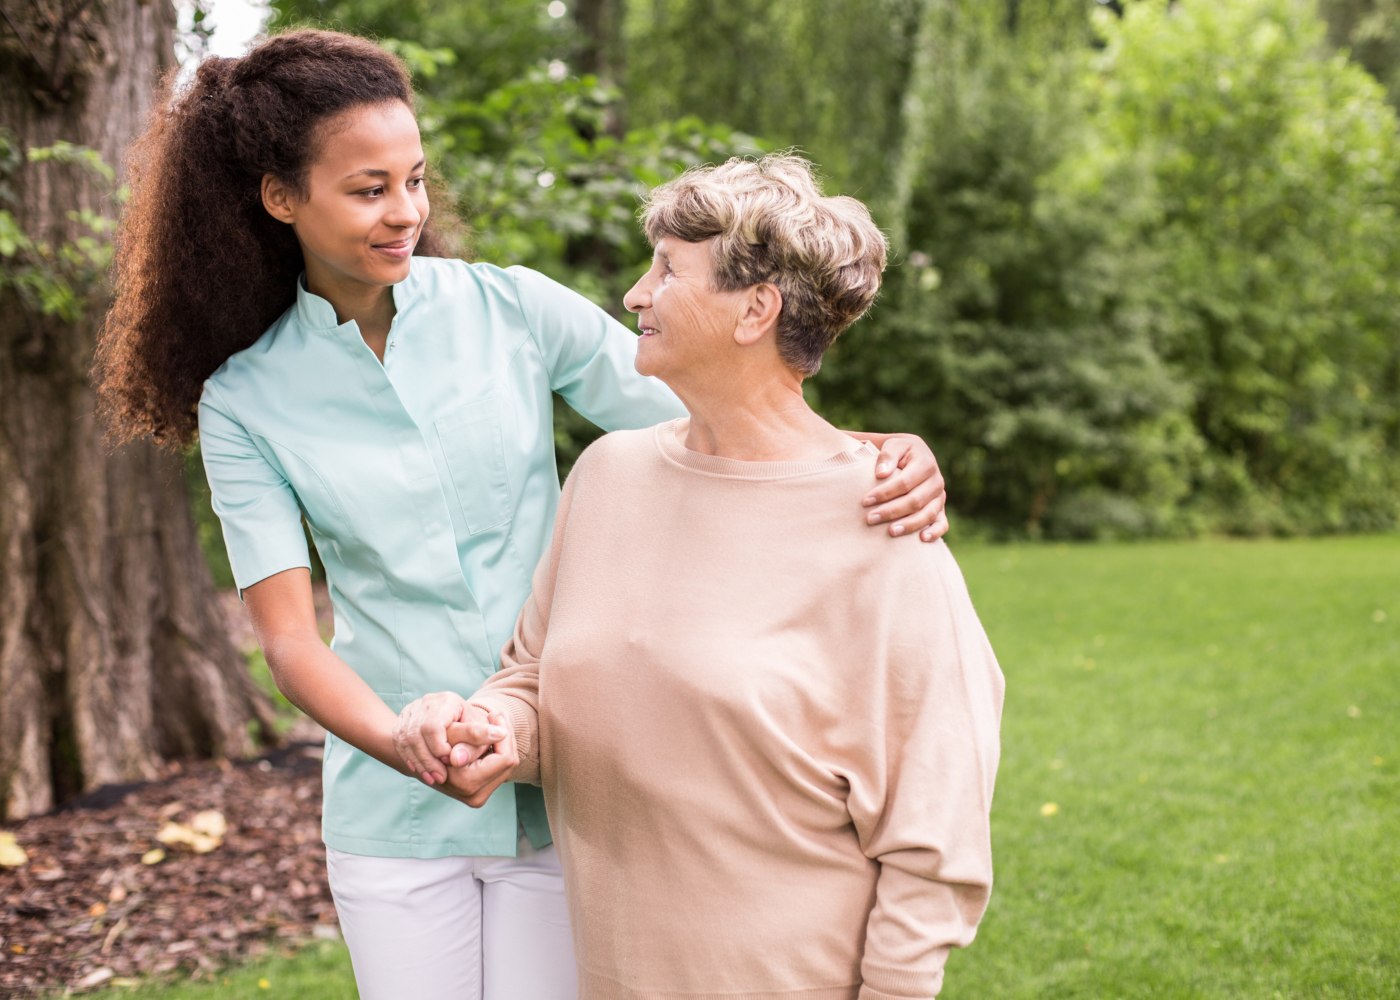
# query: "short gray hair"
x,y
771,223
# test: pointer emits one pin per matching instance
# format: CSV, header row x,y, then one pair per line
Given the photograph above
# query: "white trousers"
x,y
456,928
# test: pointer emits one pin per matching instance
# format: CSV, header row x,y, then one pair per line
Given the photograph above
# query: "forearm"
x,y
327,689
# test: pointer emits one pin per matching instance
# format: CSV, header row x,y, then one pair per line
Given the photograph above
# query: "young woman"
x,y
279,288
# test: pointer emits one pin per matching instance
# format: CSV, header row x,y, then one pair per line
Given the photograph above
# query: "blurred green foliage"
x,y
1145,268
1276,173
54,279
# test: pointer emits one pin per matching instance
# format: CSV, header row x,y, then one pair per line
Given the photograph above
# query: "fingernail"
x,y
882,468
872,518
898,529
427,777
495,733
927,536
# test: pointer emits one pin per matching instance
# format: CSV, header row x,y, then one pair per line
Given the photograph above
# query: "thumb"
x,y
463,754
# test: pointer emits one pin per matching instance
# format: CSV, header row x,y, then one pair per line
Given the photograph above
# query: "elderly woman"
x,y
767,740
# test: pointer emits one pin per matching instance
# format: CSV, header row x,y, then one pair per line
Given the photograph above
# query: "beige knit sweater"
x,y
767,734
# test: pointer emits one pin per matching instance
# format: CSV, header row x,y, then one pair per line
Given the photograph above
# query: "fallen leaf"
x,y
153,857
11,854
174,833
205,832
97,909
95,978
211,823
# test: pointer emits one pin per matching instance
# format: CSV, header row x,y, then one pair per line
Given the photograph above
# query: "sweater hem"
x,y
593,986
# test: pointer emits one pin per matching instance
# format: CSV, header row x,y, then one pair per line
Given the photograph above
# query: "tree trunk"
x,y
600,50
915,116
113,651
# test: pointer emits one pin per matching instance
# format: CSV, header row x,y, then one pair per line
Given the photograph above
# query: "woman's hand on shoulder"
x,y
421,734
910,495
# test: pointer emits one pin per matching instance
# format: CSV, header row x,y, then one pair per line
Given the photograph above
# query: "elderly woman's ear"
x,y
762,305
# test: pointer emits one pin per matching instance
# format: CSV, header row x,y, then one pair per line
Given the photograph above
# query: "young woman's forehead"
x,y
378,137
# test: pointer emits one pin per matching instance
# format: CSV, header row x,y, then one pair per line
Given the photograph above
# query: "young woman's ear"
x,y
762,305
277,199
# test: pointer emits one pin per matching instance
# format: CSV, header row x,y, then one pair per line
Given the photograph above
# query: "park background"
x,y
1142,302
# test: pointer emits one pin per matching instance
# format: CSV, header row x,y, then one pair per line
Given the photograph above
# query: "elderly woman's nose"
x,y
637,296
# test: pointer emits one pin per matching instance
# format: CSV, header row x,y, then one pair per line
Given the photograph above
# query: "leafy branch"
x,y
53,279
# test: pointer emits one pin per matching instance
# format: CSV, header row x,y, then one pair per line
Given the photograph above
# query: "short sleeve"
x,y
256,506
590,356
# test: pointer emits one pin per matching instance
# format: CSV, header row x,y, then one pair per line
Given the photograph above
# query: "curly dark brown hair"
x,y
201,269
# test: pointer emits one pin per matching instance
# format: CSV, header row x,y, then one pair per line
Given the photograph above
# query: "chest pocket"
x,y
473,445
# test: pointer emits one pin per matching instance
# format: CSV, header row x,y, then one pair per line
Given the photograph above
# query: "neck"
x,y
757,420
371,307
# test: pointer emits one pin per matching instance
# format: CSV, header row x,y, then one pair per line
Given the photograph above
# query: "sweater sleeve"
x,y
514,690
921,797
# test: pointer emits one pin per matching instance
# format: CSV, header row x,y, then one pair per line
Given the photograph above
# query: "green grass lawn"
x,y
320,971
1199,792
1215,728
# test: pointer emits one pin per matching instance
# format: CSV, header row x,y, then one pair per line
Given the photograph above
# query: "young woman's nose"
x,y
403,211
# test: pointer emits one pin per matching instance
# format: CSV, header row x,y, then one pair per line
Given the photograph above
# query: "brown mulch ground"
x,y
86,910
92,907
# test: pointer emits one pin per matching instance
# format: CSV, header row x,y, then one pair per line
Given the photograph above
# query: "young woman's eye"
x,y
414,183
373,192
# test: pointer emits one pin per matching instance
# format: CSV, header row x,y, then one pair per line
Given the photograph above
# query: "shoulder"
x,y
438,278
256,363
619,461
618,452
514,290
445,274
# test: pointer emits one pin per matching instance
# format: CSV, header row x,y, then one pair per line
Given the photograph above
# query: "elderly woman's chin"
x,y
651,357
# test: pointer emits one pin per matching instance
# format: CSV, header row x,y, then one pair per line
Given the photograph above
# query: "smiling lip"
x,y
397,250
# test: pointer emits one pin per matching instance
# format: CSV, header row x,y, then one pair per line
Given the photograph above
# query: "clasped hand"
x,y
456,746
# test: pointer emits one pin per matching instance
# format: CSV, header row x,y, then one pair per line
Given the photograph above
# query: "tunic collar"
x,y
316,313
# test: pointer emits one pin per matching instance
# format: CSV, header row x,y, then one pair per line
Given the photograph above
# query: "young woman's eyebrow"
x,y
378,172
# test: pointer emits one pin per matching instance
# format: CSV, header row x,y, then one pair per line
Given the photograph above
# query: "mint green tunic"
x,y
429,486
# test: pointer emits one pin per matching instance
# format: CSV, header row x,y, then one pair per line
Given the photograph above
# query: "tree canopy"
x,y
1145,253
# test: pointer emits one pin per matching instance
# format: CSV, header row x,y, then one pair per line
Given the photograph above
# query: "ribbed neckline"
x,y
316,313
672,447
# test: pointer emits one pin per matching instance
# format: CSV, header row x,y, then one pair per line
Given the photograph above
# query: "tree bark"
x,y
915,117
113,652
600,51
